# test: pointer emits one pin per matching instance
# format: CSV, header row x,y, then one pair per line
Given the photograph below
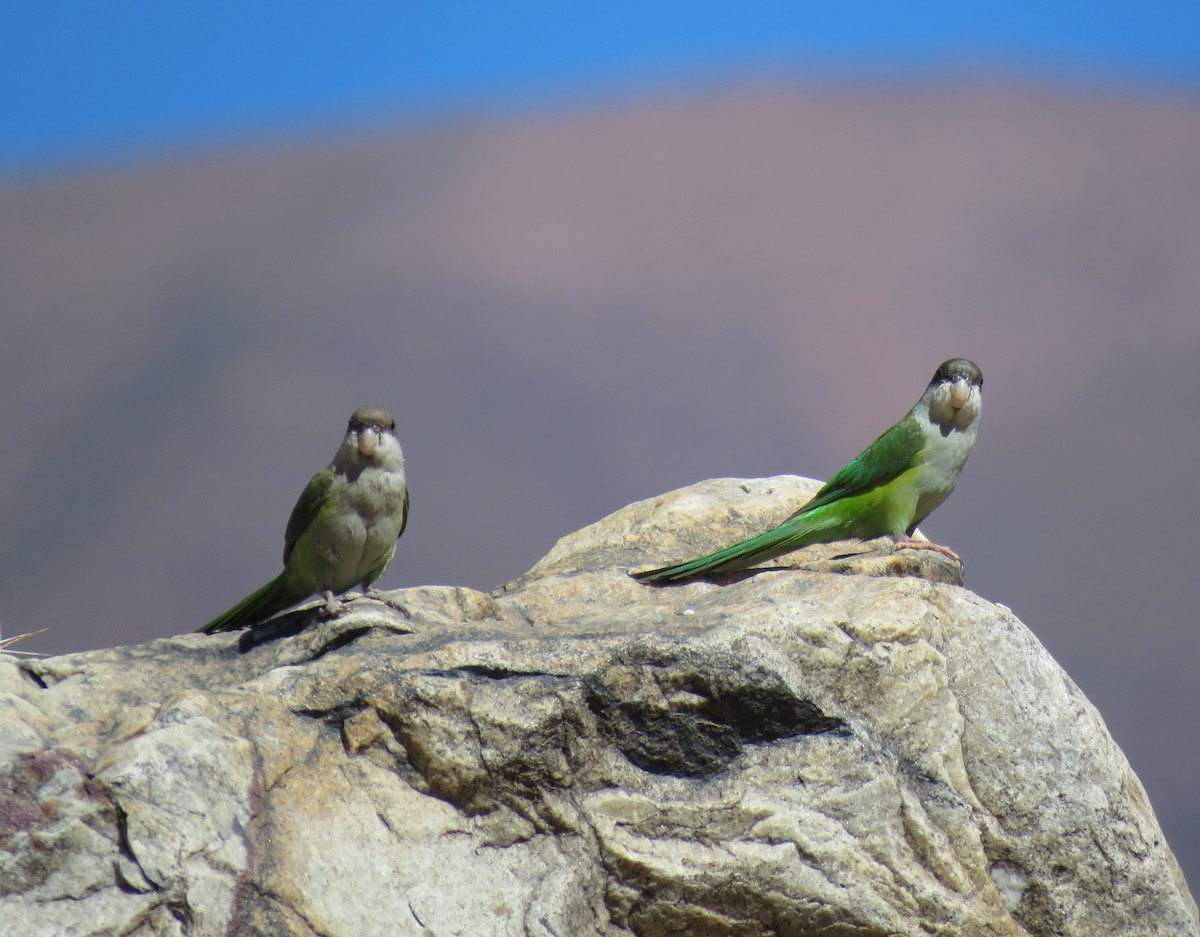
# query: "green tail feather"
x,y
788,536
257,607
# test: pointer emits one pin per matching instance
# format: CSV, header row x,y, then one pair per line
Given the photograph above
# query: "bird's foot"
x,y
909,543
333,605
386,600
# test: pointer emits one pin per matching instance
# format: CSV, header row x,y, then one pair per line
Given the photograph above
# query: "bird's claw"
x,y
908,543
333,605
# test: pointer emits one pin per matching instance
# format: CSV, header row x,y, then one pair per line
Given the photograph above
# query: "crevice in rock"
x,y
692,718
269,897
182,912
334,715
495,673
34,677
125,849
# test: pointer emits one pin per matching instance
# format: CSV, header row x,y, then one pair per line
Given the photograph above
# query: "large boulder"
x,y
846,743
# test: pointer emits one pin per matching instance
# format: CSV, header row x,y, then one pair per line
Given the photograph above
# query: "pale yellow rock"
x,y
846,742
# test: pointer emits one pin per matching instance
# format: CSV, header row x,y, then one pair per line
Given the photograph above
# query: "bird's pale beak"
x,y
960,393
368,440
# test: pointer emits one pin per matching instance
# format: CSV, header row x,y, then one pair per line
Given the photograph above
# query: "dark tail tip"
x,y
663,575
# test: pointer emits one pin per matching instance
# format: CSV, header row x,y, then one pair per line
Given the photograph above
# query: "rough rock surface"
x,y
852,744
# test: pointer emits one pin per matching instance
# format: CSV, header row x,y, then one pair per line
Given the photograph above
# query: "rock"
x,y
847,743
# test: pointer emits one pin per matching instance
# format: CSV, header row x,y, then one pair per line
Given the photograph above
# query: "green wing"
x,y
895,451
307,507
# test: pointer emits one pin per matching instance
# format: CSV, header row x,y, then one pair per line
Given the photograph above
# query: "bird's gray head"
x,y
958,370
955,394
371,434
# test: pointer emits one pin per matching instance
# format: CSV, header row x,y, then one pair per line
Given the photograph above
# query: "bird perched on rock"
x,y
888,490
343,529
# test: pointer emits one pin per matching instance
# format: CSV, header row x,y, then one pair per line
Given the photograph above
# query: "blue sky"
x,y
93,80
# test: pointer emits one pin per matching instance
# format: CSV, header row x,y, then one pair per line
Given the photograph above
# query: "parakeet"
x,y
888,490
343,530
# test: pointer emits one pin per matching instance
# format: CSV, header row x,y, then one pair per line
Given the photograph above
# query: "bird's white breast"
x,y
949,437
